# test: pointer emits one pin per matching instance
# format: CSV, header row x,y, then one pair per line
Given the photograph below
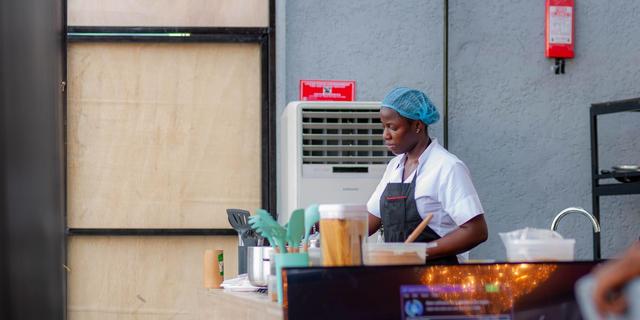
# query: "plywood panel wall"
x,y
196,13
162,135
140,277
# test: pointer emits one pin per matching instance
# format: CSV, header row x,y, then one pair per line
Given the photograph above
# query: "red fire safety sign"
x,y
559,29
327,90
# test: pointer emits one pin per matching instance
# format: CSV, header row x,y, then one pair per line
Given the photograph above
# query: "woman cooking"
x,y
424,178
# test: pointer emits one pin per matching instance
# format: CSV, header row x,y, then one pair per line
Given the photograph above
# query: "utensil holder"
x,y
242,259
284,260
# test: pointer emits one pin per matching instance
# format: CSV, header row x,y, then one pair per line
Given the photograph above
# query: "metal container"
x,y
628,173
259,265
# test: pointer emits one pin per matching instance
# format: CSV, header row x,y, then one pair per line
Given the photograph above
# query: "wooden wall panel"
x,y
162,135
140,277
182,13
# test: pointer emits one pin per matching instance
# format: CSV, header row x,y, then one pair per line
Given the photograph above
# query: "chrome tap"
x,y
594,223
561,214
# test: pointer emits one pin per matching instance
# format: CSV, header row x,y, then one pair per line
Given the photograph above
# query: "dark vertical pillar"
x,y
32,159
4,285
595,195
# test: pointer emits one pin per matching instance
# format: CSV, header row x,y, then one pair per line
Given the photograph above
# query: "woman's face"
x,y
399,132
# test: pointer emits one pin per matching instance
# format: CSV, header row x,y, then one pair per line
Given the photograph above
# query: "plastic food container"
x,y
531,244
343,230
540,250
395,253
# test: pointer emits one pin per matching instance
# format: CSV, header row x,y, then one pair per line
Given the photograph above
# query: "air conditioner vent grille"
x,y
343,136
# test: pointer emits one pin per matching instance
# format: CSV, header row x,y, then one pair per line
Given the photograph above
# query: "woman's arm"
x,y
374,224
467,236
612,277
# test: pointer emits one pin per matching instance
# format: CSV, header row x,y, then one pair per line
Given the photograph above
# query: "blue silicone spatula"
x,y
295,229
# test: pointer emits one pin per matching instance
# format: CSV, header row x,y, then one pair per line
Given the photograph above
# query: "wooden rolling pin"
x,y
416,232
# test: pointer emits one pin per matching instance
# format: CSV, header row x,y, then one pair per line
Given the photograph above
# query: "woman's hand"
x,y
374,224
466,237
610,280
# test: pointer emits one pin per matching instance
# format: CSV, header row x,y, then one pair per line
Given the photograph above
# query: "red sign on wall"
x,y
327,90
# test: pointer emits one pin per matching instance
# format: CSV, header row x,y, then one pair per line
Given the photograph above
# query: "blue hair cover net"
x,y
412,104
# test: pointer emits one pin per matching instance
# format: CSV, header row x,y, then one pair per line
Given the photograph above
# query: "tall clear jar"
x,y
343,231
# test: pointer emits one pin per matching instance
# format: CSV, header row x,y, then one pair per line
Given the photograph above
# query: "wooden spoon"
x,y
416,232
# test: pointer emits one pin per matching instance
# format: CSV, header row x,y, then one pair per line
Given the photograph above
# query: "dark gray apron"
x,y
400,217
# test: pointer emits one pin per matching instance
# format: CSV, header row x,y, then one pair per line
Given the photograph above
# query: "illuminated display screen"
x,y
474,291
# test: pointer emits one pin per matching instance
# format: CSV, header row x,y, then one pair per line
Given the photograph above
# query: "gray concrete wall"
x,y
522,130
378,43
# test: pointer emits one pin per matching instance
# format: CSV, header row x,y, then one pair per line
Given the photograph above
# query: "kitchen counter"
x,y
221,304
525,290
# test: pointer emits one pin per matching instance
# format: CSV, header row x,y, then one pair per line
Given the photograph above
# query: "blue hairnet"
x,y
412,104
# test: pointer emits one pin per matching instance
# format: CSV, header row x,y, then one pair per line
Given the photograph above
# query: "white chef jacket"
x,y
443,187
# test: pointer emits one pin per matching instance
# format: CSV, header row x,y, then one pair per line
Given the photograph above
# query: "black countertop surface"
x,y
468,291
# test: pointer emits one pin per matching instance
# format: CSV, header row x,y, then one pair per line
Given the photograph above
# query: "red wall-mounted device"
x,y
559,28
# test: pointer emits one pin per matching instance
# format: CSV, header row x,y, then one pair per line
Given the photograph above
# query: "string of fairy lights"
x,y
499,285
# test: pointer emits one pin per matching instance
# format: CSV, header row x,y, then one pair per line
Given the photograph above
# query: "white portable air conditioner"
x,y
332,152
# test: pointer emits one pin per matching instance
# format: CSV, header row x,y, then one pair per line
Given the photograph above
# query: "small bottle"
x,y
213,268
219,272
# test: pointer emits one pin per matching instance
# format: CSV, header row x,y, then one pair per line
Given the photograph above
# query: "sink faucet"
x,y
561,214
594,223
